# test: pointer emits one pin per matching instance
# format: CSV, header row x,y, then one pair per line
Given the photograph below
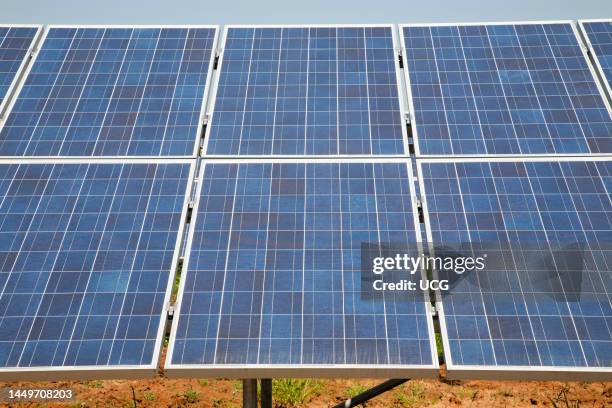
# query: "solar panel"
x,y
86,254
310,90
503,89
112,91
520,317
15,43
598,35
272,275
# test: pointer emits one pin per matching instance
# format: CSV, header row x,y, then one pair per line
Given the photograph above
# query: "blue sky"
x,y
304,11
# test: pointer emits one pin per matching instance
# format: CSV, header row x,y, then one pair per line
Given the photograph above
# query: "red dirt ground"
x,y
162,392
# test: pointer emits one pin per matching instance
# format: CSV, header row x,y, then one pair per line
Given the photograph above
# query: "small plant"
x,y
191,396
291,392
562,400
467,393
203,383
149,396
95,384
439,346
355,389
414,396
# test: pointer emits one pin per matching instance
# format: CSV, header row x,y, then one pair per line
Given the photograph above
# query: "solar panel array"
x,y
524,89
273,273
89,246
15,42
598,34
112,92
307,91
504,89
272,283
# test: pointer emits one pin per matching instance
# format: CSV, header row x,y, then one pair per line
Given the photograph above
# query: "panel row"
x,y
478,89
274,280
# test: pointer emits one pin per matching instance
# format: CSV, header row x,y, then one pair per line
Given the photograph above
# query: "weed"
x,y
355,389
562,400
291,392
439,346
191,396
414,396
203,383
95,384
468,393
149,396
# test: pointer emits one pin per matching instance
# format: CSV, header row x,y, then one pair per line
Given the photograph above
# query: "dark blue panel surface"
x,y
511,316
307,91
600,37
14,45
112,92
504,89
85,257
273,275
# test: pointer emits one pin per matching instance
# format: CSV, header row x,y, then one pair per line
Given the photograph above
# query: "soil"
x,y
163,392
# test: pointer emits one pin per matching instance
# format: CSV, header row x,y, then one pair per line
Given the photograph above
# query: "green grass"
x,y
95,384
191,396
355,389
291,392
177,281
439,346
413,396
203,383
149,396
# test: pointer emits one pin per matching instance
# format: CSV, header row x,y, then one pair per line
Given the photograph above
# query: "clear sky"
x,y
295,12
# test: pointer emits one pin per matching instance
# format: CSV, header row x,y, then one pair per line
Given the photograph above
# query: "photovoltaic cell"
x,y
112,92
14,45
273,270
504,89
509,317
307,91
86,251
599,36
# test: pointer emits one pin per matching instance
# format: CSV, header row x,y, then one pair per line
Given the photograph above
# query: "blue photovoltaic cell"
x,y
85,259
112,92
14,45
513,318
504,89
273,275
600,37
307,91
